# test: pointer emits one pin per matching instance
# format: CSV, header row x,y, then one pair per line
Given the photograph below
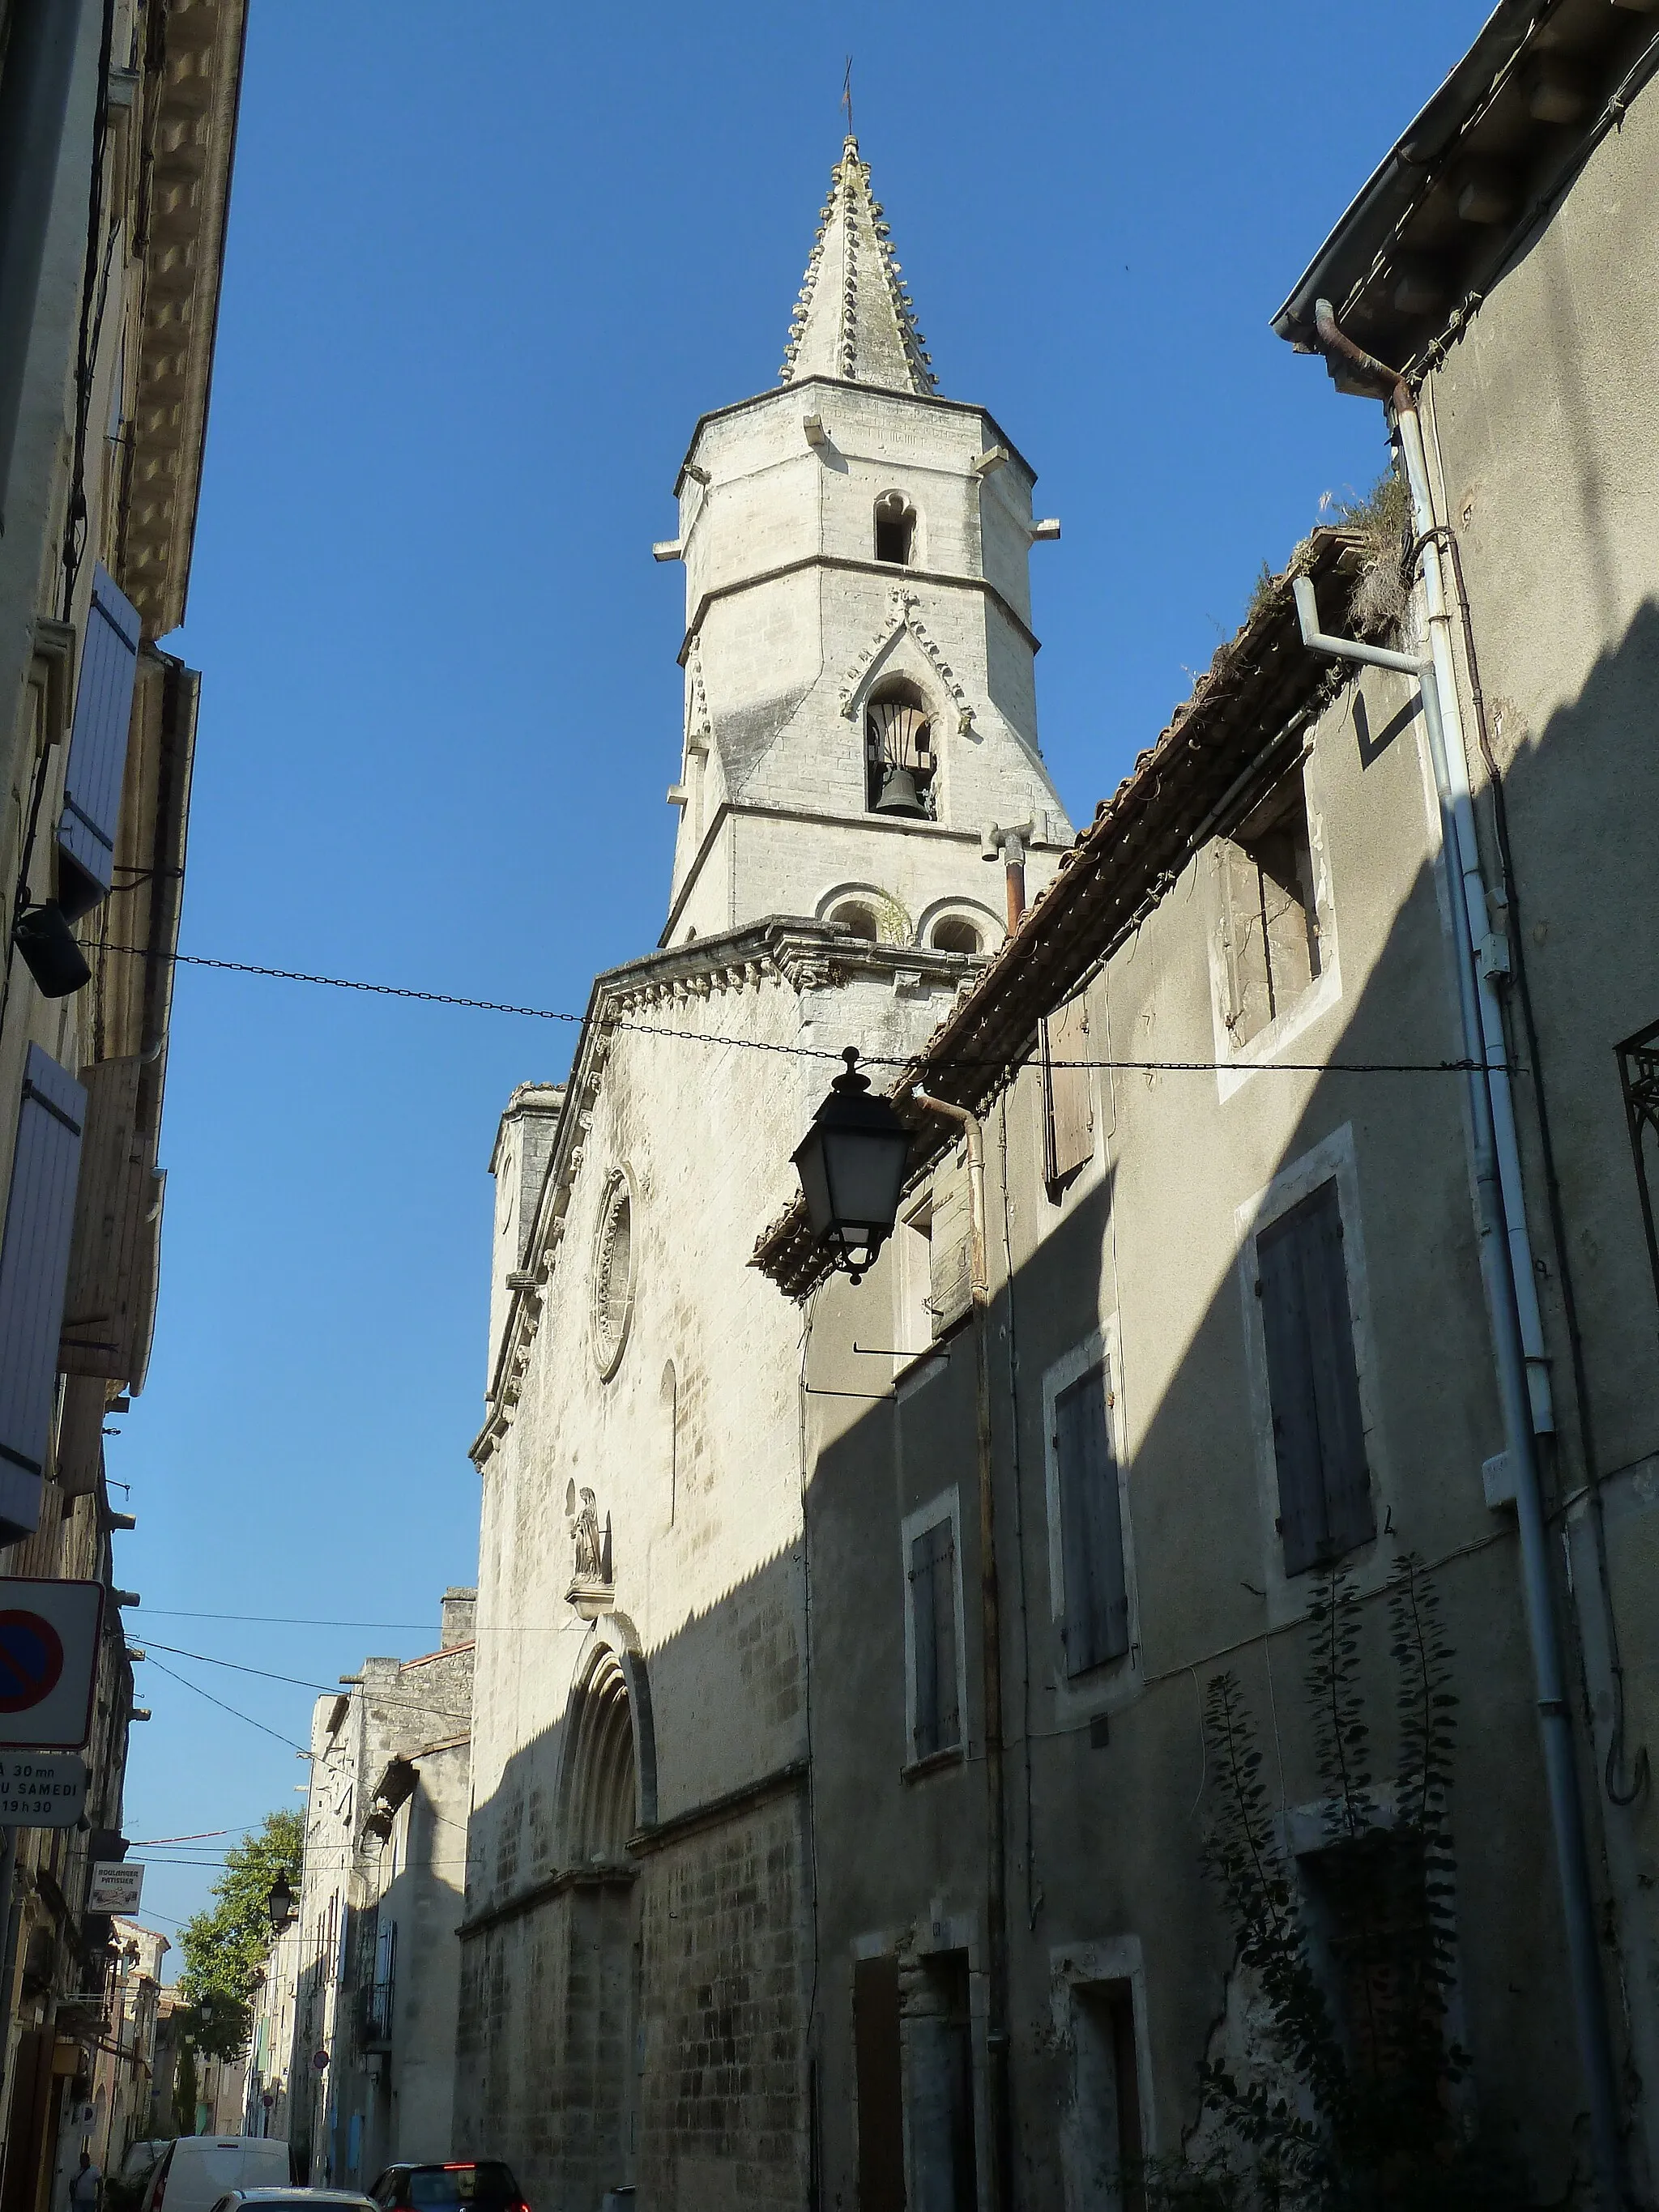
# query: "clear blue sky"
x,y
486,267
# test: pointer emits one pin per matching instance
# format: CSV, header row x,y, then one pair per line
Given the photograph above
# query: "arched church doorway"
x,y
603,1804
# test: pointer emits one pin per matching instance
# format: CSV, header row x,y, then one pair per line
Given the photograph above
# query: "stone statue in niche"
x,y
592,1578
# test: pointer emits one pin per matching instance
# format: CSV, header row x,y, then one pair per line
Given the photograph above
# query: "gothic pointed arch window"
x,y
898,752
895,529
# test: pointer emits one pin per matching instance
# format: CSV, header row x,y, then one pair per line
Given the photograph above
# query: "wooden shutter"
x,y
110,1202
950,1248
79,1459
1318,1444
1097,1593
98,748
937,1721
1068,1099
34,1268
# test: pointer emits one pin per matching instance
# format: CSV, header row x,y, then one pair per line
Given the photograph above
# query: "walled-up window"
x,y
896,529
1639,1069
1107,2080
898,753
1271,910
1097,1585
936,1711
939,2084
1325,1505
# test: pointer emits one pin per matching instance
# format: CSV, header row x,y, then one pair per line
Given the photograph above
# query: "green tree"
x,y
226,1947
185,2091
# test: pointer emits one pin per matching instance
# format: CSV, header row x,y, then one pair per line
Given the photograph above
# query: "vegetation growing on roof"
x,y
1383,520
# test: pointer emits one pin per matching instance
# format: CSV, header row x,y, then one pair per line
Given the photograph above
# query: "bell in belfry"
x,y
899,794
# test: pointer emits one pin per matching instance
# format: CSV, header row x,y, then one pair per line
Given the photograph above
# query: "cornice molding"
x,y
192,88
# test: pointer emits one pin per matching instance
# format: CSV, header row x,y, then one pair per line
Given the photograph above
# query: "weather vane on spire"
x,y
847,94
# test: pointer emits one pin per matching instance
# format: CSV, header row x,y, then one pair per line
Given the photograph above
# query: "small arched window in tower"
x,y
856,915
898,752
896,529
954,932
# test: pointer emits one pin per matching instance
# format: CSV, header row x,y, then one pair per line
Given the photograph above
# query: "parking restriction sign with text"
x,y
48,1661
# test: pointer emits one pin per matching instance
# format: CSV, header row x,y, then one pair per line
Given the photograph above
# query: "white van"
x,y
196,2171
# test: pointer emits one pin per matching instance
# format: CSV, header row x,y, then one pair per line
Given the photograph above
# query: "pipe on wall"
x,y
1506,1258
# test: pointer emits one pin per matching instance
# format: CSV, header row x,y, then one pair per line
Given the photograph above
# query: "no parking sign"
x,y
48,1661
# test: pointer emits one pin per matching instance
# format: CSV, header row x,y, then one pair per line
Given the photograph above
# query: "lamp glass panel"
x,y
865,1170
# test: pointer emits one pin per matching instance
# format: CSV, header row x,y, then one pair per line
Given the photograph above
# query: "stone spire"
x,y
853,318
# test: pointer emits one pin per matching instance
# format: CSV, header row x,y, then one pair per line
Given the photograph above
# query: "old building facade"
x,y
859,733
1311,1128
117,124
354,2025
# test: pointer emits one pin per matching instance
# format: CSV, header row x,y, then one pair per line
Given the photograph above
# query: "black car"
x,y
462,2184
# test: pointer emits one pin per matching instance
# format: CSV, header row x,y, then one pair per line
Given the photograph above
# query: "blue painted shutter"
x,y
34,1268
1319,1442
98,748
1096,1624
937,1722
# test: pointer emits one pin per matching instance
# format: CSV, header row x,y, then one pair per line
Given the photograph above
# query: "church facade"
x,y
859,740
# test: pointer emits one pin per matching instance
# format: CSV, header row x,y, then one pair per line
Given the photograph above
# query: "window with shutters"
x,y
98,748
1272,925
1094,1583
34,1258
933,1633
1068,1097
1325,1502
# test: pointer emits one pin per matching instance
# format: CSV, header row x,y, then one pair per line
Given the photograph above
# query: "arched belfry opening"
x,y
898,752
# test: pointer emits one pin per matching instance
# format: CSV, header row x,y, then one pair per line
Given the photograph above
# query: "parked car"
x,y
460,2185
196,2171
295,2200
123,2192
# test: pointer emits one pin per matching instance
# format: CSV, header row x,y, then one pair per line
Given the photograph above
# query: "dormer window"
x,y
899,754
896,529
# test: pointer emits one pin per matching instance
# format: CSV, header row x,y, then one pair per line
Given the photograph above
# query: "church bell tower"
x,y
860,690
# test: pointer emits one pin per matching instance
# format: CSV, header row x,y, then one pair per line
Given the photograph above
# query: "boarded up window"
x,y
937,1721
1068,1101
1272,913
879,2091
1319,1442
950,1238
1096,1594
34,1268
98,748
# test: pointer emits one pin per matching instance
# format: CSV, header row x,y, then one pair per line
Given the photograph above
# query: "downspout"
x,y
1481,957
996,1849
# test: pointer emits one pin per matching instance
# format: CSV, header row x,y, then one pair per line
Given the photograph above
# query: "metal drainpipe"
x,y
996,1847
1506,1259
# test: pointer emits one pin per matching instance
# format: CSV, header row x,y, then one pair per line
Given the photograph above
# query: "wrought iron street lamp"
x,y
280,1906
851,1163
